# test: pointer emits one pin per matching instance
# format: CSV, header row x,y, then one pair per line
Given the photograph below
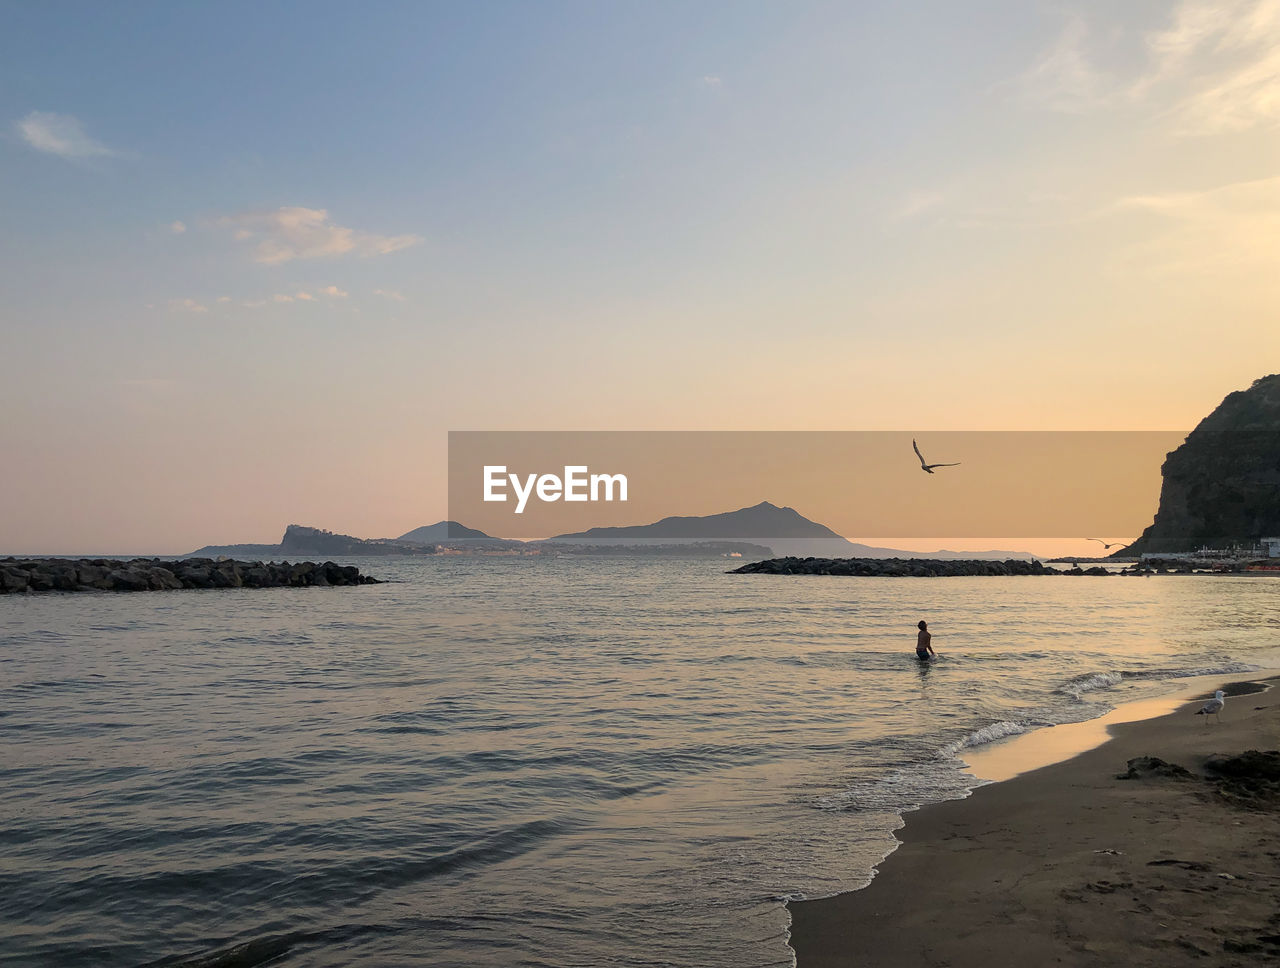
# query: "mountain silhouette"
x,y
443,531
759,521
783,529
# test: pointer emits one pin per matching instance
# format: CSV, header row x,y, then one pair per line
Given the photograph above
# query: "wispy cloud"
x,y
916,204
287,298
1227,56
61,135
1215,66
187,306
390,294
177,227
1230,227
1064,78
294,232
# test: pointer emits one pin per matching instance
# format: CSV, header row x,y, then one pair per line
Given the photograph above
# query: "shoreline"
x,y
1066,863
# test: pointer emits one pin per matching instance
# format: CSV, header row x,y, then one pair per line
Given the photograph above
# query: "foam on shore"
x,y
1033,750
1084,861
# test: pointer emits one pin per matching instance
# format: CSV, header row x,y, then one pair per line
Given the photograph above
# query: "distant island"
x,y
760,531
299,540
783,529
444,532
451,537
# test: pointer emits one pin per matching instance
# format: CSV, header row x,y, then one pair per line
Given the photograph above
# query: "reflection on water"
x,y
515,761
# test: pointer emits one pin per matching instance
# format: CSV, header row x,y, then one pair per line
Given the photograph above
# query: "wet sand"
x,y
1071,865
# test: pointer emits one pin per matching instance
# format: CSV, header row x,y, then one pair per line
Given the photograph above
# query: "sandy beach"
x,y
1071,864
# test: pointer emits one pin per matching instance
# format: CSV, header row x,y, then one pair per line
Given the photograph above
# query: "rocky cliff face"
x,y
1222,486
299,540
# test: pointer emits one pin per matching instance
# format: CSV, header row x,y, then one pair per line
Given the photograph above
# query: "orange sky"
x,y
221,314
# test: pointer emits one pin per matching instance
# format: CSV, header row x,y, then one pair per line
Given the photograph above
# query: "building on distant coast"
x,y
1250,557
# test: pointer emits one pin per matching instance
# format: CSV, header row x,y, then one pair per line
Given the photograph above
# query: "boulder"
x,y
128,580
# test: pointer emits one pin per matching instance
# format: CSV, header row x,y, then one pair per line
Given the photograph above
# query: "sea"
x,y
519,761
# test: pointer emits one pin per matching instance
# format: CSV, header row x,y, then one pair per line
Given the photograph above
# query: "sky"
x,y
258,259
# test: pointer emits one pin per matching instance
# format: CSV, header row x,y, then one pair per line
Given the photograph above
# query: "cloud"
x,y
1225,58
224,299
390,294
712,80
177,228
61,135
1064,78
294,232
917,204
284,298
1213,67
187,306
1231,227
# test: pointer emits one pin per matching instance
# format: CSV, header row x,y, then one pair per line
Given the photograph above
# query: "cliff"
x,y
300,541
316,541
1221,487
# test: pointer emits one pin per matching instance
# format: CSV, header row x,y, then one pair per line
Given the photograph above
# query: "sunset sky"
x,y
256,260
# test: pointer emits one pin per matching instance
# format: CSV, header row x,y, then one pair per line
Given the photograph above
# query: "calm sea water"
x,y
527,762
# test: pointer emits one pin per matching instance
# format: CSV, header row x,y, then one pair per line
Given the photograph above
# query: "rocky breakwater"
x,y
904,567
156,574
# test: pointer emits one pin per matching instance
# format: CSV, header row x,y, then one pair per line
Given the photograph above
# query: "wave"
x,y
1077,689
904,789
993,732
1080,685
1090,682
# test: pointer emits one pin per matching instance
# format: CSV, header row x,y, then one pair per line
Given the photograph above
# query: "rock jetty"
x,y
905,567
157,574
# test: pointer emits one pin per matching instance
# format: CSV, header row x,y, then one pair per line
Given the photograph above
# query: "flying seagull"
x,y
1105,546
1213,707
928,468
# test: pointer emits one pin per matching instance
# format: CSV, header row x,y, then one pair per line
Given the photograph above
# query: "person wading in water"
x,y
924,651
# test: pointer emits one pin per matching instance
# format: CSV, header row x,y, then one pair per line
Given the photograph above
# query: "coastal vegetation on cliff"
x,y
1221,487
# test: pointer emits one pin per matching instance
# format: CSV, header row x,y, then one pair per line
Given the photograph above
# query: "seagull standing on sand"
x,y
928,468
1213,707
